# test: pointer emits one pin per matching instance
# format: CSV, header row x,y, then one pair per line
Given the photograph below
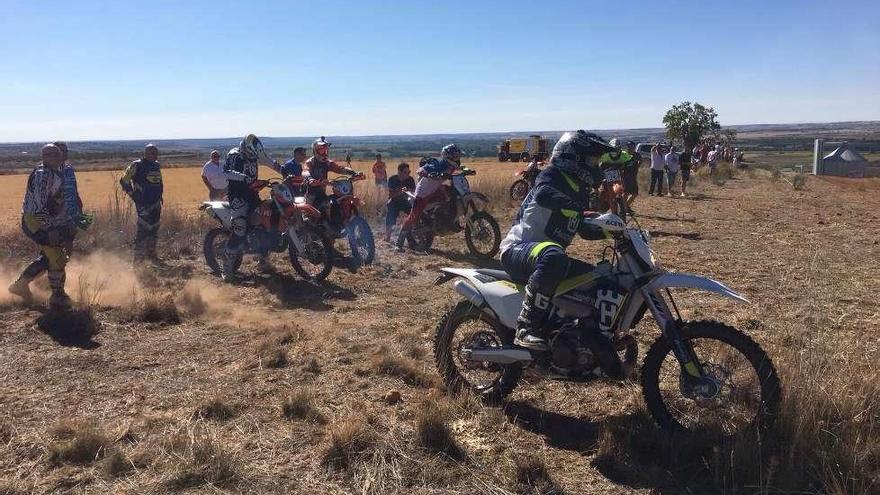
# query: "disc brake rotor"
x,y
478,340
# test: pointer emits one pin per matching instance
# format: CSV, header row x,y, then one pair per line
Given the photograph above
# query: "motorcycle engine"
x,y
569,356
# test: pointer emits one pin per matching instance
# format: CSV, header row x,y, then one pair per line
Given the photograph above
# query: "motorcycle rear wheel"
x,y
317,261
720,348
214,249
422,236
468,322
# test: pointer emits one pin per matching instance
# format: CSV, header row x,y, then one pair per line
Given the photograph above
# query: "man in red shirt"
x,y
379,172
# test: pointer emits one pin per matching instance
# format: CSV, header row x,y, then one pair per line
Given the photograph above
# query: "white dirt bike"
x,y
697,375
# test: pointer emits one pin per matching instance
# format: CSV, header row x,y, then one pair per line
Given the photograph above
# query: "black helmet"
x,y
578,146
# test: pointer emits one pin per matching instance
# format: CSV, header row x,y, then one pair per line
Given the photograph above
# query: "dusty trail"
x,y
791,252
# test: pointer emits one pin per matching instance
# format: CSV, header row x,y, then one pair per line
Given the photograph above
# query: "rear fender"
x,y
498,298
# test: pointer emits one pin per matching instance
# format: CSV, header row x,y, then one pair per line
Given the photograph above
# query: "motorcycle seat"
x,y
497,274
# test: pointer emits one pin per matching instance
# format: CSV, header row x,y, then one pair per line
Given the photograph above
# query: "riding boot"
x,y
59,300
401,238
530,323
21,288
229,266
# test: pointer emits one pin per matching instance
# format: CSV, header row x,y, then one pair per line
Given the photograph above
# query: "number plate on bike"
x,y
612,175
342,187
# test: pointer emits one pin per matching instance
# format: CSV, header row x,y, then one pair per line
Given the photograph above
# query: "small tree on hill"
x,y
689,122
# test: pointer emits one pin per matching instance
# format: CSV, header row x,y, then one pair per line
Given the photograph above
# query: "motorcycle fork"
x,y
670,327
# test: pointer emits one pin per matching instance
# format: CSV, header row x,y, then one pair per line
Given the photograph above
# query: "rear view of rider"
x,y
317,167
430,186
242,172
547,221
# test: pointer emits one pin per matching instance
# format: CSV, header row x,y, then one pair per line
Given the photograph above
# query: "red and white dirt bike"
x,y
523,184
284,221
353,227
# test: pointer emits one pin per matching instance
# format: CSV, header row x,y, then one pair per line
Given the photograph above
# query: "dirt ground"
x,y
806,259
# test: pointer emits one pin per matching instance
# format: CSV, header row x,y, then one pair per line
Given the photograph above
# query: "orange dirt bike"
x,y
610,195
523,184
353,226
284,221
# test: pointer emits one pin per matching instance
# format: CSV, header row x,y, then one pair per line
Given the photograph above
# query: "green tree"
x,y
689,122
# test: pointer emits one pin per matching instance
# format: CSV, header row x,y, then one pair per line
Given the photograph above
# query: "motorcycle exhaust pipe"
x,y
498,355
469,292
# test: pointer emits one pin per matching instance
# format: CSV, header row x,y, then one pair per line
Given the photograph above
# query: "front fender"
x,y
636,305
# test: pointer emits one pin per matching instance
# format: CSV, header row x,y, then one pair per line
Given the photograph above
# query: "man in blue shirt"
x,y
294,165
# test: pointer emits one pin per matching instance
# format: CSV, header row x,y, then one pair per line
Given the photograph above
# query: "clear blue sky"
x,y
166,69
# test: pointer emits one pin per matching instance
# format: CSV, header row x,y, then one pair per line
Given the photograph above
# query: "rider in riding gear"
x,y
142,181
46,221
317,167
631,174
550,216
432,173
242,172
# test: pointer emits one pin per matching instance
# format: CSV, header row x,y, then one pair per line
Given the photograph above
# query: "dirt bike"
x,y
481,232
523,184
702,375
285,221
610,195
353,227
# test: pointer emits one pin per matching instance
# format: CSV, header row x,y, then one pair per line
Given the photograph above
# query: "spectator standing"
x,y
214,178
658,165
631,174
685,160
294,166
398,202
712,161
142,181
348,158
379,173
673,165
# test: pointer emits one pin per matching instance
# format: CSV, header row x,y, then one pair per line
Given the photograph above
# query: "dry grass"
x,y
215,409
203,462
76,442
407,369
433,433
300,405
531,476
350,440
159,309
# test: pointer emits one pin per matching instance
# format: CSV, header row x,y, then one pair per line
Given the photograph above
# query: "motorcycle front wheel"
x,y
316,260
465,326
519,190
422,236
214,249
485,238
361,239
744,391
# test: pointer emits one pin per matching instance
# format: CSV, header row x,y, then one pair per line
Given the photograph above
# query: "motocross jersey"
x,y
143,181
623,159
241,173
43,205
552,211
318,169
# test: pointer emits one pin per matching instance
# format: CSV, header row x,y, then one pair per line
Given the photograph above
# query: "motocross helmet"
x,y
251,147
451,153
573,150
614,142
321,149
631,145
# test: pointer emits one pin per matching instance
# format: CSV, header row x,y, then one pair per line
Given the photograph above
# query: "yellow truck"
x,y
516,149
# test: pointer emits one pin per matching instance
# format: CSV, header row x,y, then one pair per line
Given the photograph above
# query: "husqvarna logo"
x,y
607,303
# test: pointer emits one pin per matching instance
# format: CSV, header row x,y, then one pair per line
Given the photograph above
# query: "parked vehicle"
x,y
697,375
644,149
465,207
285,221
516,149
354,228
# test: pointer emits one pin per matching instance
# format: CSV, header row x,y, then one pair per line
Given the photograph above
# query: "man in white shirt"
x,y
658,165
214,178
712,161
672,167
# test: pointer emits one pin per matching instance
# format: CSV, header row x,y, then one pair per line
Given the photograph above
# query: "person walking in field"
x,y
379,172
348,158
398,202
142,182
673,165
47,220
658,165
214,178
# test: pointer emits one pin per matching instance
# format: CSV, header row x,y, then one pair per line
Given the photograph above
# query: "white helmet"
x,y
251,147
614,142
